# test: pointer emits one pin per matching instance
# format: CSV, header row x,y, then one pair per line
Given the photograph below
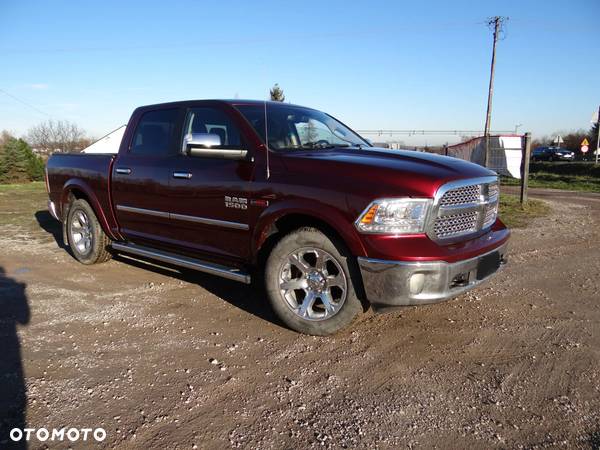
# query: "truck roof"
x,y
232,102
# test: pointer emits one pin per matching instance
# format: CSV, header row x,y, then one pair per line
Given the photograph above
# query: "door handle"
x,y
184,175
123,170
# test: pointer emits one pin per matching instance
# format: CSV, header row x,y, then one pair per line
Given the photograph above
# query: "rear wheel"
x,y
309,284
86,238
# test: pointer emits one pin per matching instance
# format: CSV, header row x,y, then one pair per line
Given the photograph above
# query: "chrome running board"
x,y
183,261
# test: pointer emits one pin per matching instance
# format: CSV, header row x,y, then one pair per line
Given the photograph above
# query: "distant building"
x,y
398,145
395,145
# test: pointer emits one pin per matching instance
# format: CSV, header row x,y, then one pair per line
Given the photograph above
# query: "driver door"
x,y
209,196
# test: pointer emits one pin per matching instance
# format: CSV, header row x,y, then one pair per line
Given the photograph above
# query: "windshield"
x,y
293,128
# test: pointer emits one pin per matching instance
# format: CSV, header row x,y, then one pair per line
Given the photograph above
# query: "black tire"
x,y
322,317
88,242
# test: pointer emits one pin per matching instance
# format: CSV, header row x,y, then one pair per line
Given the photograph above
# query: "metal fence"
x,y
504,156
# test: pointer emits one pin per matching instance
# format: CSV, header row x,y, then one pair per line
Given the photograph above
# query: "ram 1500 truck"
x,y
289,195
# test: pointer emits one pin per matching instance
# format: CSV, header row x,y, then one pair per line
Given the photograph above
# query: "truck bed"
x,y
87,173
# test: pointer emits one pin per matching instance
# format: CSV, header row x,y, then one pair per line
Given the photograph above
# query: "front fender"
x,y
324,213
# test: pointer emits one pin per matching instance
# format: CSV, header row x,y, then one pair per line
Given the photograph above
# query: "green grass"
x,y
35,186
558,181
515,215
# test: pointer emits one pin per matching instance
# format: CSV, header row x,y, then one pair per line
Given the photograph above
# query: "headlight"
x,y
395,215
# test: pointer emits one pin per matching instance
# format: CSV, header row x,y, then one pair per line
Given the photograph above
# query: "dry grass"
x,y
19,202
515,215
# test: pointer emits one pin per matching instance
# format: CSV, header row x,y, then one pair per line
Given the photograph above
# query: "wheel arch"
x,y
276,223
76,189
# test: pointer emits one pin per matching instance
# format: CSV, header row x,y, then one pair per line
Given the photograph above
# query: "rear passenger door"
x,y
209,196
140,178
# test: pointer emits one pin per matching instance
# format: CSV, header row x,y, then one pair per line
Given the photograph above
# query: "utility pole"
x,y
497,24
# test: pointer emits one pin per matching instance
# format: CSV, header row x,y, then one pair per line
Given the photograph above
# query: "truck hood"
x,y
388,172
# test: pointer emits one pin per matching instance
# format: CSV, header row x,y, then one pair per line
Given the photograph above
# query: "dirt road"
x,y
162,358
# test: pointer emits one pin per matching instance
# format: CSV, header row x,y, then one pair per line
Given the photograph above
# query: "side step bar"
x,y
183,261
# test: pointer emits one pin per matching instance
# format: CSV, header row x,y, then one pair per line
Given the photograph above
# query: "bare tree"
x,y
60,135
543,141
4,137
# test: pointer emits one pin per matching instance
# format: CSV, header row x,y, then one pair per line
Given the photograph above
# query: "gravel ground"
x,y
162,358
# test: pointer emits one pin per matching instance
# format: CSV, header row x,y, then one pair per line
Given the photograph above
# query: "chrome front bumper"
x,y
402,283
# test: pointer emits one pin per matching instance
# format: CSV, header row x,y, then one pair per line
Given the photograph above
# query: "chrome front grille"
x,y
493,190
462,209
455,224
462,195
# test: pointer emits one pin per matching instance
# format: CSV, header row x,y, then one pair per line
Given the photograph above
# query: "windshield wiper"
x,y
322,145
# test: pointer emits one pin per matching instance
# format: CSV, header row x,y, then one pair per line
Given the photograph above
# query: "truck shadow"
x,y
14,311
51,226
594,440
251,299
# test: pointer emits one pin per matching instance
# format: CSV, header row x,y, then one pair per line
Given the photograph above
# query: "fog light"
x,y
460,280
416,283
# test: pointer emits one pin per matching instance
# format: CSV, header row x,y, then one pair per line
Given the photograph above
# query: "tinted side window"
x,y
154,133
213,121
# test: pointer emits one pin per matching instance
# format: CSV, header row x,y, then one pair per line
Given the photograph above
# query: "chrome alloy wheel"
x,y
81,232
313,284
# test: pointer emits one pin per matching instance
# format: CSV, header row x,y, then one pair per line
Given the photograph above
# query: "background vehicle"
x,y
552,154
259,190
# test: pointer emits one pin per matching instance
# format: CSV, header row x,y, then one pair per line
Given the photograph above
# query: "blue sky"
x,y
376,64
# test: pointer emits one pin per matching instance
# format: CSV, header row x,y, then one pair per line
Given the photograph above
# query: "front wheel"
x,y
309,284
86,238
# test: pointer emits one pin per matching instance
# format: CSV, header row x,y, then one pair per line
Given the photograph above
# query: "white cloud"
x,y
38,86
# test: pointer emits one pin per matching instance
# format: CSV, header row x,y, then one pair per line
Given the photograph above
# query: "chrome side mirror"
x,y
202,145
200,140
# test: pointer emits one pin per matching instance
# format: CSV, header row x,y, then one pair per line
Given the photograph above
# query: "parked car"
x,y
287,196
552,154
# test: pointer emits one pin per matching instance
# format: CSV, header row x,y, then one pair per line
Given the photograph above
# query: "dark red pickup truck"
x,y
273,191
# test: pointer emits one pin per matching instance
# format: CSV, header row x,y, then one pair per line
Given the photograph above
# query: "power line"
x,y
25,103
425,27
